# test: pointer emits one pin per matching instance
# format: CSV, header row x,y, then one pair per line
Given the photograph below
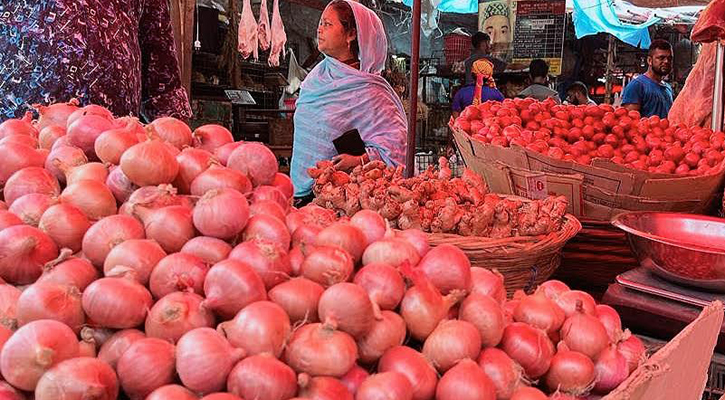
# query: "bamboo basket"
x,y
524,261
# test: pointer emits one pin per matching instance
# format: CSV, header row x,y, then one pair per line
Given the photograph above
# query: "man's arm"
x,y
162,92
632,96
632,106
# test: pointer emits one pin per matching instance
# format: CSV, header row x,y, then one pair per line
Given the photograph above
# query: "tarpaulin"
x,y
453,6
599,16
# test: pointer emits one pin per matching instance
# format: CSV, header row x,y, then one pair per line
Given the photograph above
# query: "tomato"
x,y
592,110
500,141
463,124
476,125
674,153
664,124
539,118
682,134
639,143
656,157
579,148
533,125
618,131
700,147
538,135
703,170
589,120
556,153
606,107
611,139
599,126
653,142
609,120
606,151
691,159
502,113
578,123
518,142
527,136
599,138
562,115
639,164
511,131
618,160
550,123
668,167
669,139
569,157
573,135
682,169
584,159
621,112
634,114
588,132
627,148
714,157
526,115
703,161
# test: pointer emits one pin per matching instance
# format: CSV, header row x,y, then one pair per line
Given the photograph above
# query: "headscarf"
x,y
483,70
335,98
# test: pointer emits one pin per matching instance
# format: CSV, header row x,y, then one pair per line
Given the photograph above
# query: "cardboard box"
x,y
598,191
678,371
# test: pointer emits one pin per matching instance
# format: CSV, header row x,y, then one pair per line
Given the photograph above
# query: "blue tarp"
x,y
595,16
453,6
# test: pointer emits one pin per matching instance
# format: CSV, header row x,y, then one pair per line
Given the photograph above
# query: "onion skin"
x,y
204,359
260,327
540,312
118,303
176,314
105,234
387,332
505,374
568,302
611,370
223,152
486,315
585,334
78,378
83,132
30,180
209,249
217,178
451,342
570,372
44,301
149,163
268,259
319,350
322,388
172,131
9,296
7,392
609,318
256,161
383,283
489,283
91,171
17,157
632,349
68,156
465,381
192,162
299,297
8,219
344,236
447,267
119,184
222,213
139,256
354,378
70,271
391,251
25,250
92,197
417,238
221,396
211,137
262,377
347,307
385,386
529,347
55,114
231,285
529,393
267,207
145,366
414,366
267,228
31,207
271,193
111,144
371,224
66,225
170,226
176,273
117,344
327,266
172,392
284,184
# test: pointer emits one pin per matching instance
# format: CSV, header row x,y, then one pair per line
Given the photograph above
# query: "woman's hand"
x,y
346,162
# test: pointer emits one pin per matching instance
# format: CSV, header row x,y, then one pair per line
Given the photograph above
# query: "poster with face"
x,y
497,19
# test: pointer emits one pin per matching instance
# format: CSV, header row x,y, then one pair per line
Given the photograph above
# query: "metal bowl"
x,y
684,248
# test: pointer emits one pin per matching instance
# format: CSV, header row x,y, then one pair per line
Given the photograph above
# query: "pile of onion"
x,y
178,272
204,359
256,161
320,350
149,163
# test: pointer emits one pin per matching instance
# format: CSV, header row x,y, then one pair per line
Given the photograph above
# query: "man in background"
x,y
482,49
539,88
649,93
577,94
480,91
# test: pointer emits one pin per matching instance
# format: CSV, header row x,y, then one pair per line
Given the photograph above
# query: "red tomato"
x,y
700,147
714,157
592,110
664,124
639,164
612,140
653,141
691,159
669,139
518,142
578,123
591,146
481,138
674,153
557,153
502,112
634,114
682,169
589,120
533,125
703,170
627,148
539,135
579,148
599,126
573,135
599,138
625,122
569,157
682,134
606,151
511,131
620,112
618,131
618,160
526,115
588,132
609,120
562,115
656,157
500,141
584,159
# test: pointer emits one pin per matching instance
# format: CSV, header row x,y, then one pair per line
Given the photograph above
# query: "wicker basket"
x,y
524,261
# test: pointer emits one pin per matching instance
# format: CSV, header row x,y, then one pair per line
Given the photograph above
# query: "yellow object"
x,y
483,70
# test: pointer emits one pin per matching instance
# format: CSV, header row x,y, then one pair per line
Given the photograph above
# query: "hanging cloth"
x,y
595,16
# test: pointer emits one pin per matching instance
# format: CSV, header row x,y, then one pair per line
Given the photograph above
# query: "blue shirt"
x,y
464,96
654,98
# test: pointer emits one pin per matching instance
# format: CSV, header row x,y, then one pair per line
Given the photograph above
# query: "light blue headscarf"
x,y
335,98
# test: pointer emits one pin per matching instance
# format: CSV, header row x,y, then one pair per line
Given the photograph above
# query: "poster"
x,y
539,32
497,19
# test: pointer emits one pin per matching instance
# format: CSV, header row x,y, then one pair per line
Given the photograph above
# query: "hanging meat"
x,y
279,37
264,32
248,32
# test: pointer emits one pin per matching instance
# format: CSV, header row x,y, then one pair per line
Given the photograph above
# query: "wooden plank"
x,y
182,22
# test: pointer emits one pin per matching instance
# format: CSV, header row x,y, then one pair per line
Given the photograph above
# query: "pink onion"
x,y
354,378
34,349
447,267
15,158
62,142
30,180
155,197
570,372
223,152
284,184
310,214
211,137
528,346
296,258
451,342
91,109
347,307
271,193
529,393
584,333
84,131
327,266
486,315
178,272
3,206
172,392
260,327
175,314
170,226
216,177
24,251
267,207
120,185
385,386
8,219
540,312
172,131
139,256
611,370
488,282
107,233
7,392
204,359
192,162
69,271
118,303
552,288
111,144
465,381
222,214
31,207
414,366
262,377
256,161
322,388
9,296
221,396
51,301
505,374
306,236
383,283
78,379
344,236
49,135
371,224
18,126
66,225
318,350
55,114
384,334
632,349
299,298
268,228
569,302
116,345
230,286
65,156
391,251
268,259
145,366
209,249
149,163
92,197
29,141
92,171
609,317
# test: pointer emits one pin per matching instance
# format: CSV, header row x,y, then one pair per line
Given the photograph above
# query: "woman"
x,y
344,92
481,91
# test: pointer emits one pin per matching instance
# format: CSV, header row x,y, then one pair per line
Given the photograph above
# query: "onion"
x,y
223,214
111,144
172,392
175,314
327,266
570,372
230,286
262,377
95,337
256,161
216,178
505,374
9,296
62,142
155,197
529,393
178,272
299,298
423,306
284,184
552,288
31,207
632,349
318,350
24,251
78,379
391,251
268,207
105,234
322,388
172,131
192,162
94,198
137,255
55,114
30,180
86,348
384,334
465,381
221,396
7,392
34,349
69,271
260,327
306,236
51,301
120,185
584,333
451,342
118,303
447,267
113,349
347,307
18,126
486,315
8,219
17,157
568,301
383,283
91,109
310,214
25,140
344,236
296,258
385,386
540,312
414,366
49,135
611,370
65,156
3,206
609,317
204,359
417,238
269,228
66,225
488,282
211,250
528,346
145,366
211,137
223,152
354,378
371,224
149,163
84,131
92,171
170,226
271,193
268,259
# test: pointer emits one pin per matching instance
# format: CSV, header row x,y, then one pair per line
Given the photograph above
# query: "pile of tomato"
x,y
582,133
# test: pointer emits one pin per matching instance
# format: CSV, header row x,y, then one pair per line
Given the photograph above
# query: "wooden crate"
x,y
281,132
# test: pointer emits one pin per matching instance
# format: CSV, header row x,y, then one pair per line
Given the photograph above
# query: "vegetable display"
x,y
181,274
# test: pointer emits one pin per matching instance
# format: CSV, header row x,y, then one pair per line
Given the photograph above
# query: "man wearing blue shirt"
x,y
648,93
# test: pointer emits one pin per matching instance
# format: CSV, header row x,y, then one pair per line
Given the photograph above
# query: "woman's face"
x,y
331,37
498,29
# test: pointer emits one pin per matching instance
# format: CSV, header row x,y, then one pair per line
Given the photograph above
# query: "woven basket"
x,y
524,261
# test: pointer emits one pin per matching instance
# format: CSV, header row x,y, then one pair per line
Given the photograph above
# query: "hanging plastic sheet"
x,y
595,16
453,6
